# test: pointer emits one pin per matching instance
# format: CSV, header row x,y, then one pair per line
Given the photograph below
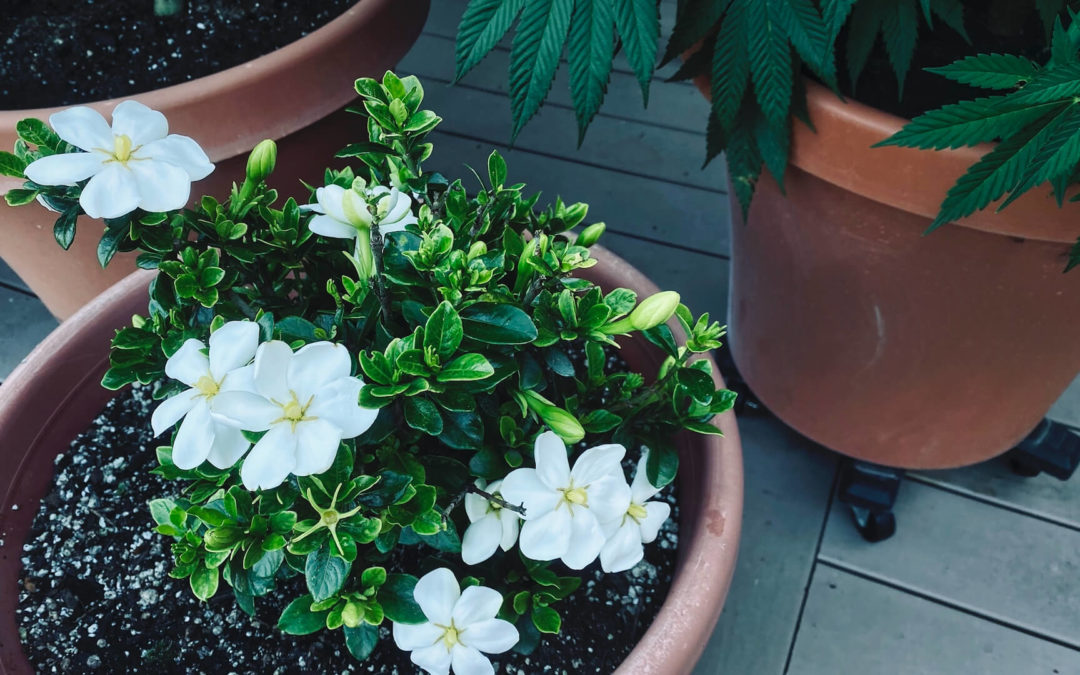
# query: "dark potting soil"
x,y
95,595
1001,26
61,52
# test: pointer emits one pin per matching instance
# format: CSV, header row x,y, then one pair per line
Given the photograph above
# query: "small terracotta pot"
x,y
874,340
55,394
294,95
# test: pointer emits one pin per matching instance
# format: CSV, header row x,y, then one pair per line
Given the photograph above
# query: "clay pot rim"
x,y
845,129
709,533
262,69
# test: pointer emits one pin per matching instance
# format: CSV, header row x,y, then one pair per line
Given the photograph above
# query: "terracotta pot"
x,y
884,344
55,394
294,95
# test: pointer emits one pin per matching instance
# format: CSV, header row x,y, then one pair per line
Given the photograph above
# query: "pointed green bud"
x,y
558,420
262,159
591,234
654,310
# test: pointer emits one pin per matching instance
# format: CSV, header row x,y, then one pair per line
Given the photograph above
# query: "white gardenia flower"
x,y
639,525
345,213
135,164
566,510
305,401
201,437
491,527
460,625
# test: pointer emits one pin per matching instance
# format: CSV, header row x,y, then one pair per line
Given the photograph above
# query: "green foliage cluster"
x,y
474,335
754,53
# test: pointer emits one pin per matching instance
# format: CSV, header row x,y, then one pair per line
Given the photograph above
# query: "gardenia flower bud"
x,y
135,164
591,234
459,626
654,310
558,420
262,160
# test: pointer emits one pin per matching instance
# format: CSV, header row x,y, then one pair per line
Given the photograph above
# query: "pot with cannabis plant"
x,y
227,73
845,320
415,421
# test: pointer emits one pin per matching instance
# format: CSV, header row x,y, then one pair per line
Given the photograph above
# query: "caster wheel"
x,y
874,526
1022,468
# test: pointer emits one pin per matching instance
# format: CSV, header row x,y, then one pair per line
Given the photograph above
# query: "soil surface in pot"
x,y
95,595
60,52
1000,26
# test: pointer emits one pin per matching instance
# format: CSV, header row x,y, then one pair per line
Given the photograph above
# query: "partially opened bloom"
x,y
201,437
565,510
346,213
305,401
136,163
639,525
460,625
491,527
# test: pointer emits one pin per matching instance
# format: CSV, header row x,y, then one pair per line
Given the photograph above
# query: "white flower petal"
x,y
328,226
390,228
338,403
399,204
232,346
245,410
355,209
271,460
477,507
195,437
523,487
138,122
510,525
586,540
623,550
481,539
493,636
468,661
656,514
411,637
111,193
271,365
316,365
609,498
434,659
641,490
229,446
329,198
477,603
436,592
181,151
162,186
189,363
596,463
171,410
552,465
82,127
240,379
65,169
314,208
317,444
548,537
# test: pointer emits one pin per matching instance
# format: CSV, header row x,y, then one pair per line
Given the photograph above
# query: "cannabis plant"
x,y
398,388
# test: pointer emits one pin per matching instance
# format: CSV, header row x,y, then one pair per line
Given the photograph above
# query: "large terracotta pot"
x,y
294,95
55,393
884,344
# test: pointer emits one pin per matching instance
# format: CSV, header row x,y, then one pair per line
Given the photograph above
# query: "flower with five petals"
x,y
566,509
460,625
306,402
136,163
201,437
639,525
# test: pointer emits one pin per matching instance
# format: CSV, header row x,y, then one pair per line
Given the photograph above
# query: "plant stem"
x,y
377,255
498,501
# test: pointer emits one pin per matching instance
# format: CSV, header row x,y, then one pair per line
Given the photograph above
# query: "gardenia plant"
x,y
398,403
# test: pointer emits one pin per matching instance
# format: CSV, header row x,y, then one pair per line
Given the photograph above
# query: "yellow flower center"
x,y
637,512
575,495
330,517
450,636
121,148
206,384
293,411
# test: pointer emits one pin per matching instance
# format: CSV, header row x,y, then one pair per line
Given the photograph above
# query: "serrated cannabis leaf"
x,y
590,51
638,24
534,56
